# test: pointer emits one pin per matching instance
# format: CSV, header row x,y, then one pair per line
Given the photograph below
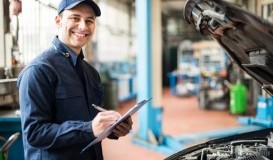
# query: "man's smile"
x,y
81,35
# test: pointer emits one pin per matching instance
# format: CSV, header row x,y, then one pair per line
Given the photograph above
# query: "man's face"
x,y
76,26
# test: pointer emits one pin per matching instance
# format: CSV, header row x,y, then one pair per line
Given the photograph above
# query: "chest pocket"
x,y
70,102
69,90
93,88
96,96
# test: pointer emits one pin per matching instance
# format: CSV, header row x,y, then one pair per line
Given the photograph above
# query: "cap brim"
x,y
91,3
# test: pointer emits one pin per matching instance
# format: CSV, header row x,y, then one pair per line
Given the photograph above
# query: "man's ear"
x,y
58,21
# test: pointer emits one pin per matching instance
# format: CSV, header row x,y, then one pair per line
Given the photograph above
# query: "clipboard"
x,y
109,130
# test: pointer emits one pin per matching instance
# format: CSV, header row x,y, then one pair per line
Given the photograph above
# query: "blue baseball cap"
x,y
68,4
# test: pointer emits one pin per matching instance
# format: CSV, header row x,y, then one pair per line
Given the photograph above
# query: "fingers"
x,y
103,120
129,121
120,133
108,116
123,128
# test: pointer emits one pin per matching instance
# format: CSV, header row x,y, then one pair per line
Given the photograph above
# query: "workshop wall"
x,y
36,29
114,39
115,31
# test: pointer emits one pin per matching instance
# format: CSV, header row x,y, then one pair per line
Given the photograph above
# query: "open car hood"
x,y
247,39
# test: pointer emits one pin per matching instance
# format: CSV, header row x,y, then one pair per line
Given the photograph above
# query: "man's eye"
x,y
89,21
75,19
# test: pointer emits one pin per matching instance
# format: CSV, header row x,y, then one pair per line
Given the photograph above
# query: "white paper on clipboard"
x,y
109,130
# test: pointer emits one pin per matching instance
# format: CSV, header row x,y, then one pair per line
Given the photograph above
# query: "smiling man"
x,y
76,26
57,90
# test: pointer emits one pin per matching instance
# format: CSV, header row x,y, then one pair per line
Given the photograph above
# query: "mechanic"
x,y
57,90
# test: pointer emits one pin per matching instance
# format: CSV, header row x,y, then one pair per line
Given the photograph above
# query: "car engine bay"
x,y
257,145
239,149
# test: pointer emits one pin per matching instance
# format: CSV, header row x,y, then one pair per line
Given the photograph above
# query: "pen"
x,y
99,108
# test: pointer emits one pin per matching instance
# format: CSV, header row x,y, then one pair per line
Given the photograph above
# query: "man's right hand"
x,y
103,120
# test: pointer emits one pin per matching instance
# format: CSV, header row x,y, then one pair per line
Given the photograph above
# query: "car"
x,y
248,40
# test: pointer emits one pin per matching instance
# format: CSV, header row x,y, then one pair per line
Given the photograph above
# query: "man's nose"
x,y
82,25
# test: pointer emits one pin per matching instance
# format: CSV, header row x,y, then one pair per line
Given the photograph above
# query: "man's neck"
x,y
75,50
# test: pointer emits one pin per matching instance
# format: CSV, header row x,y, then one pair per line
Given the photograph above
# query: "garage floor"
x,y
181,116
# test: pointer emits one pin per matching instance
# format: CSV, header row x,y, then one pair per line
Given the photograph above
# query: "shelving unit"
x,y
184,80
213,93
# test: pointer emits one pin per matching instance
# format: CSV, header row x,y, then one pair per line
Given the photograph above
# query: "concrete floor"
x,y
181,116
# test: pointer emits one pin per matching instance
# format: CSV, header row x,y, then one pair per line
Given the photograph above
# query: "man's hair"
x,y
61,14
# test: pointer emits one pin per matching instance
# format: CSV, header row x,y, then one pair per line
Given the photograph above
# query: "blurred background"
x,y
142,49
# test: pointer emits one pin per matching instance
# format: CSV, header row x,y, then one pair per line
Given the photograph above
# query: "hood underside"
x,y
247,39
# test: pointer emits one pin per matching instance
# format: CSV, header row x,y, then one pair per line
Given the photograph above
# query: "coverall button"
x,y
67,55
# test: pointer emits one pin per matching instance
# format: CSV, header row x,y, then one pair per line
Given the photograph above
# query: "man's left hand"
x,y
123,128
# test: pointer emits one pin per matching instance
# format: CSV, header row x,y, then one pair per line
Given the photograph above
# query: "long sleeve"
x,y
38,105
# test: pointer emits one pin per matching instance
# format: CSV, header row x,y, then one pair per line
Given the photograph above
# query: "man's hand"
x,y
103,120
123,128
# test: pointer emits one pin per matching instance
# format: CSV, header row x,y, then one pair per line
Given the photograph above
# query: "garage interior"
x,y
142,49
